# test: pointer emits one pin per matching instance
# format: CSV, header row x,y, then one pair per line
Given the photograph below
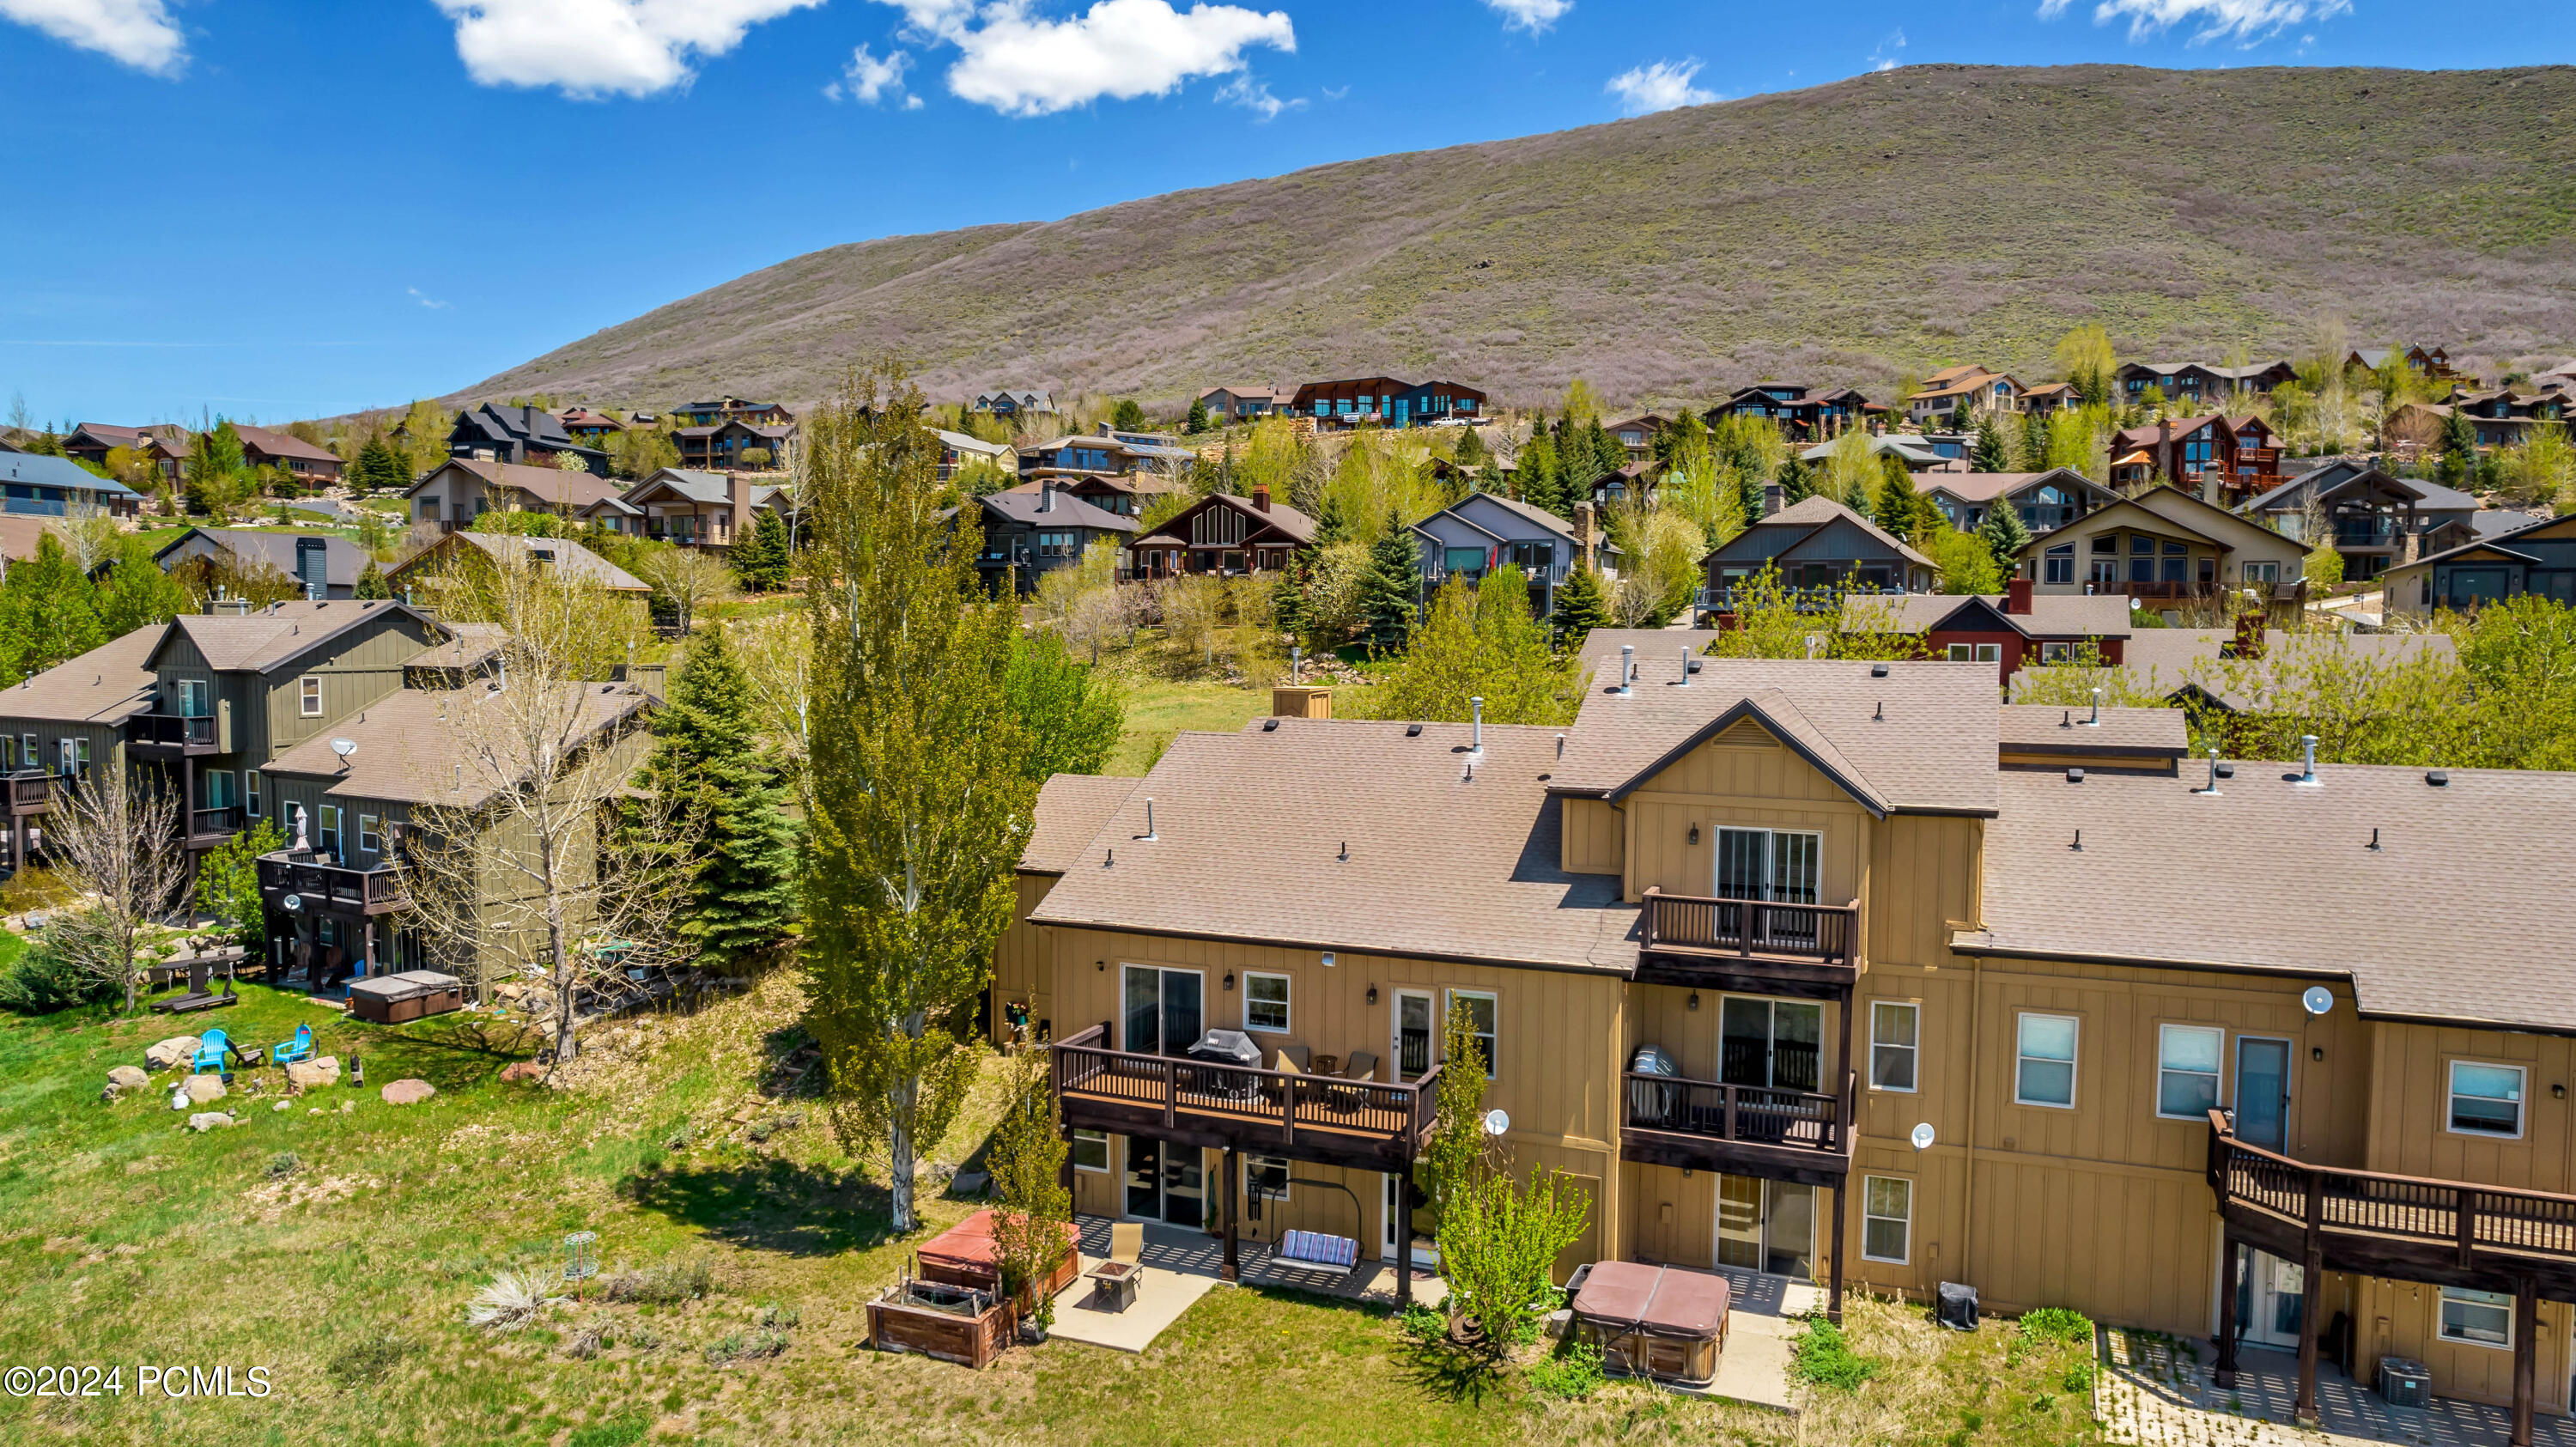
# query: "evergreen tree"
x,y
1898,508
371,582
2459,449
1389,590
2004,534
1580,608
1541,484
2034,442
1608,453
1127,417
1332,525
760,559
1990,456
1797,481
742,895
217,476
1198,416
1471,449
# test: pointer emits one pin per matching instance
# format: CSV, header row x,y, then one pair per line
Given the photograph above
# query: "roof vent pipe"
x,y
1685,683
2308,751
1627,668
2096,719
1149,820
1560,746
1478,705
2213,773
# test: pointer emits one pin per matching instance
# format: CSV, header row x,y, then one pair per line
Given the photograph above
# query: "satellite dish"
x,y
1496,1122
344,747
291,903
2318,999
1922,1136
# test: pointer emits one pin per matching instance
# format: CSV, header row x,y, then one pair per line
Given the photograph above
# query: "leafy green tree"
x,y
2085,358
371,582
1480,642
760,559
1027,1163
916,799
1499,1240
228,883
217,477
1070,712
1966,562
2004,534
1391,588
740,903
1455,1153
134,593
640,452
1198,420
1580,608
1127,416
1991,455
48,613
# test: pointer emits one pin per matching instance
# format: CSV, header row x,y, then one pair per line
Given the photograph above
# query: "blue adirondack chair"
x,y
299,1048
210,1052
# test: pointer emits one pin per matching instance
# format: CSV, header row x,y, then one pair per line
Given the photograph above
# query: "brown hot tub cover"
x,y
409,985
1629,1297
969,1243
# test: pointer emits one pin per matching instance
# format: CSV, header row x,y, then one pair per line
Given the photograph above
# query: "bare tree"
x,y
118,837
687,579
776,651
89,533
543,863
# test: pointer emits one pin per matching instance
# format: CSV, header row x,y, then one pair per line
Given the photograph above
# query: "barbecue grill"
x,y
1233,1048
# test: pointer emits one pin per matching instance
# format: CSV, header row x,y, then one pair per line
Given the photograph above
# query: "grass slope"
x,y
1842,233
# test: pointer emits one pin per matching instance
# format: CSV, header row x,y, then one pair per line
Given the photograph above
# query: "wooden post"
x,y
1233,1270
2225,1375
1834,1291
2312,1264
1402,1231
2526,1331
1846,1061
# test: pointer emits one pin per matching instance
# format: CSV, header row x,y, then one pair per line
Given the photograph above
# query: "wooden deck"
x,y
1780,1135
1748,945
1324,1119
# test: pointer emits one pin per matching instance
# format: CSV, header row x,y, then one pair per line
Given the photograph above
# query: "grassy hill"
x,y
1842,233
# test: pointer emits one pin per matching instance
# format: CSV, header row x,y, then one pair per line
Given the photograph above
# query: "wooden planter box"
x,y
896,1324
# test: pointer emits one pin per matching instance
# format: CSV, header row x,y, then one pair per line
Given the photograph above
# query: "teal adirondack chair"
x,y
299,1048
210,1052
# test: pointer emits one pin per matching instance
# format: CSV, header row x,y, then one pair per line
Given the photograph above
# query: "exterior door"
x,y
2271,1297
1767,1226
1165,1182
1739,1222
1770,1043
1412,1042
2263,1092
1161,1009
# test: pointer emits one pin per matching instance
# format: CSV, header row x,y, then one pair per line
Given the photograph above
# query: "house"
x,y
2186,383
2017,627
1244,403
2431,363
166,443
2538,557
1484,531
1636,480
2049,398
1772,959
1386,402
1109,469
1034,532
592,429
2222,458
520,436
1818,548
2164,545
1954,394
1637,434
1005,403
958,451
2501,416
58,725
2042,500
732,409
2377,519
34,485
1801,412
427,576
1225,535
2183,666
2256,379
1939,452
692,508
735,444
464,489
309,463
323,566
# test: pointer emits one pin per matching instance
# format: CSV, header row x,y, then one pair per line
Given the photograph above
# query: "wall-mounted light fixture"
x,y
1694,834
1686,1173
2558,1092
2316,1052
1328,959
1694,999
1372,994
1101,965
1229,979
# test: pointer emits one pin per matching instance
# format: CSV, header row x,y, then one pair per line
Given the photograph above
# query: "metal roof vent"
x,y
1878,670
1627,668
1413,731
2214,767
2075,776
1149,820
1270,726
2308,771
2439,778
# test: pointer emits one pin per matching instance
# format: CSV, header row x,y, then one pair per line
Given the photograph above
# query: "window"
x,y
1091,1151
312,696
329,837
1469,561
1265,1002
1894,1037
2187,1070
2106,543
2061,564
1886,1218
2141,546
1769,864
2480,1318
370,840
2044,1074
27,754
192,698
2057,653
2262,572
1266,1176
1533,555
2486,1099
1479,1006
250,792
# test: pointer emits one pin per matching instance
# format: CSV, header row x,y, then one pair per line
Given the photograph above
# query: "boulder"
x,y
126,1077
170,1054
408,1092
321,1070
205,1089
347,1106
523,1070
282,1105
209,1120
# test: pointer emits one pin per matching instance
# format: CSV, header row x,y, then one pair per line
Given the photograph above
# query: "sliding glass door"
x,y
1770,1043
1161,1009
1782,865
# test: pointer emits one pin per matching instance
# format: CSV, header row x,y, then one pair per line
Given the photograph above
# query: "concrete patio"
x,y
1761,1321
1182,1265
2157,1392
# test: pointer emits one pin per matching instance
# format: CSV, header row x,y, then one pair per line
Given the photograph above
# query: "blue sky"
x,y
285,208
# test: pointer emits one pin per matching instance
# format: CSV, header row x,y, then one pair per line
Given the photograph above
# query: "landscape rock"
x,y
204,1089
127,1077
347,1106
523,1070
321,1070
281,1105
208,1120
968,1183
408,1092
171,1053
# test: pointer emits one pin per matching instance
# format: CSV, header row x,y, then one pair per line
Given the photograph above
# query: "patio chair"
x,y
210,1052
299,1048
1362,1066
1297,1059
1127,1243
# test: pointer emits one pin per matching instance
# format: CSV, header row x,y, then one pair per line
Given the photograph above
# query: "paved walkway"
x,y
1761,1321
2157,1393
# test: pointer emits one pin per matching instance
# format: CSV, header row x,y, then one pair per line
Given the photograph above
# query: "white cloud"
x,y
868,80
1884,57
138,32
2247,22
1659,87
589,48
1530,15
425,300
1254,95
1024,65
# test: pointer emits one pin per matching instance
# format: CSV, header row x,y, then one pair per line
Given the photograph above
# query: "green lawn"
x,y
1159,708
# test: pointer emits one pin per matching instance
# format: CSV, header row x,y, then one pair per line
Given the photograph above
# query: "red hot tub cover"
x,y
1666,1301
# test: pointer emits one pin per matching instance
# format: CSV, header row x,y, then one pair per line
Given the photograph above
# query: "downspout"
x,y
1968,1176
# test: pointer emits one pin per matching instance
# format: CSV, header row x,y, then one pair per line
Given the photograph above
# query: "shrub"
x,y
2056,1324
745,1347
666,1285
283,1165
513,1300
587,1341
1422,1323
72,963
368,1359
777,1316
1573,1373
1822,1357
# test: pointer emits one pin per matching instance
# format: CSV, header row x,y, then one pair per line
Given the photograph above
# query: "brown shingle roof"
x,y
2052,615
108,684
1071,808
1920,739
2051,728
2163,660
409,753
272,636
1253,825
2422,924
551,486
283,444
563,554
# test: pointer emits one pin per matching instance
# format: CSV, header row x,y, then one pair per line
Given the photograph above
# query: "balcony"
x,y
175,733
31,791
2365,532
1780,1135
2168,591
1324,1119
1747,944
329,888
1821,599
210,827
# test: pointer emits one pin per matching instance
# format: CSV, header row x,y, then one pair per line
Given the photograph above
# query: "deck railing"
x,y
1276,1101
359,888
30,789
172,729
203,823
2469,1219
1749,927
1751,1114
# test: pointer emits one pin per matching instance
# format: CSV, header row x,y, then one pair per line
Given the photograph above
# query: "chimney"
x,y
1583,532
1771,498
2164,449
1261,497
2249,635
1046,494
2017,596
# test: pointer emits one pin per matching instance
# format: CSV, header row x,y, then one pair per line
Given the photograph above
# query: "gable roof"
x,y
109,684
2161,661
2344,472
2051,615
2491,541
1985,487
1069,511
1070,809
562,554
42,471
284,444
1801,521
1530,513
567,488
342,560
280,633
2161,505
694,484
409,753
1918,738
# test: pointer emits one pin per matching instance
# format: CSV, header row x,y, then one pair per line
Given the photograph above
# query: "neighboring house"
x,y
2374,518
1029,533
462,490
1630,480
2161,544
2221,458
1940,452
593,429
1637,434
19,539
1107,468
2015,628
520,436
326,567
1225,535
1483,531
1386,401
2042,500
2187,383
2049,398
2256,379
957,452
166,443
691,508
58,725
2432,363
732,409
423,577
34,485
1955,394
727,444
2501,417
2538,557
1240,404
309,463
2177,665
1003,403
1819,548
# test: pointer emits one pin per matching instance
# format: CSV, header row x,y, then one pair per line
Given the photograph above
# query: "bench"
x,y
1317,1249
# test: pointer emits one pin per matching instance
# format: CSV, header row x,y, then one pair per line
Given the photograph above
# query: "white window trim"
x,y
1916,1048
309,695
1099,1170
2218,1077
1491,998
1286,1191
370,827
2439,1334
1289,1003
2451,1094
1908,1219
2071,1064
